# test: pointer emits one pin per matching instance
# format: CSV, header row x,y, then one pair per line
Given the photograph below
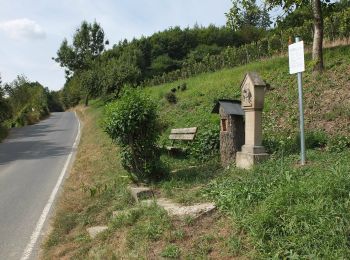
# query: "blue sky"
x,y
32,31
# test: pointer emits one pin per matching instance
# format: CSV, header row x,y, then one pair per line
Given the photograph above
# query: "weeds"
x,y
171,251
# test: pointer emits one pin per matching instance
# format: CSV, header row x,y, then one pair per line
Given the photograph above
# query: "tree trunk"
x,y
87,100
317,55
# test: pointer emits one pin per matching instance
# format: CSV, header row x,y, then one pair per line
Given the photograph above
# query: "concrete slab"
x,y
178,210
94,231
140,193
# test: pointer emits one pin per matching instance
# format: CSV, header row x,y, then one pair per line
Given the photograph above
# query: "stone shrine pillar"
x,y
253,92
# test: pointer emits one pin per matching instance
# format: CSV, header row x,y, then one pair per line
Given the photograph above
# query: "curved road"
x,y
33,160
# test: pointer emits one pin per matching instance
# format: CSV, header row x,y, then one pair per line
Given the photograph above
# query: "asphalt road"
x,y
32,161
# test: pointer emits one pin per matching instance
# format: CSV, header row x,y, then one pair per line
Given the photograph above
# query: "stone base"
x,y
247,160
253,149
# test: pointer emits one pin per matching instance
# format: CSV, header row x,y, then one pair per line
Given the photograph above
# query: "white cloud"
x,y
22,29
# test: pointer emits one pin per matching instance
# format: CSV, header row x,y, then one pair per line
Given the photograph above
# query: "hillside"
x,y
278,209
326,96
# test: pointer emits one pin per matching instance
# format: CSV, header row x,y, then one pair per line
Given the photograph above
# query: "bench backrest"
x,y
183,133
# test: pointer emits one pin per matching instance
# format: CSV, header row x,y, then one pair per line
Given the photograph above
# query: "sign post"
x,y
297,65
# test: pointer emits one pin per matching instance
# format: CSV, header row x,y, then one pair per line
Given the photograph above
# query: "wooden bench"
x,y
181,134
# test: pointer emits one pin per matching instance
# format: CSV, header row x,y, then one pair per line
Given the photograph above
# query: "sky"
x,y
31,31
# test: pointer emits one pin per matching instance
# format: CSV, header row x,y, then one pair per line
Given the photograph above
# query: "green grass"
x,y
292,211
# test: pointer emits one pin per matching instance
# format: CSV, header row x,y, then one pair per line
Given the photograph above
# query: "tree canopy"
x,y
88,44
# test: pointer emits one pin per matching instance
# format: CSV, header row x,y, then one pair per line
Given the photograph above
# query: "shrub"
x,y
338,143
173,90
183,87
171,97
206,144
132,122
315,139
171,251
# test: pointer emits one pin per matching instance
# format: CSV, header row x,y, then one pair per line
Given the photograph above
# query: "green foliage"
x,y
338,143
245,14
171,251
79,59
206,143
132,122
72,93
228,58
183,86
119,71
54,102
284,143
171,97
28,101
88,44
5,108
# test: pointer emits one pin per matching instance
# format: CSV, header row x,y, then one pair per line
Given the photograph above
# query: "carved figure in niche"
x,y
247,97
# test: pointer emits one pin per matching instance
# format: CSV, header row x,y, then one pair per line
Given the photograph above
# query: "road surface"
x,y
33,162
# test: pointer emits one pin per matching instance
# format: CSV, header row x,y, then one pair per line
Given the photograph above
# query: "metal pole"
x,y
301,113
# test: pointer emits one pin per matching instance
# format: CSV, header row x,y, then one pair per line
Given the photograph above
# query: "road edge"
x,y
45,213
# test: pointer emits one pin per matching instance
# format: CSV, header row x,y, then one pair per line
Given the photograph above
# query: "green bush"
x,y
132,122
206,144
171,97
338,143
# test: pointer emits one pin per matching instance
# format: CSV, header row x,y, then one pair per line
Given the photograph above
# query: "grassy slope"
x,y
278,209
326,97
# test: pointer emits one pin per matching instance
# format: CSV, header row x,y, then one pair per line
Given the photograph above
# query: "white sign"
x,y
296,57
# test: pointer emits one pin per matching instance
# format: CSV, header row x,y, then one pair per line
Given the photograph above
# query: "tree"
x,y
88,44
316,7
121,70
246,13
5,109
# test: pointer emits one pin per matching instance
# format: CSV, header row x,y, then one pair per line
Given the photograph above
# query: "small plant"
x,y
132,122
206,144
171,251
338,143
171,97
173,90
189,220
183,87
234,244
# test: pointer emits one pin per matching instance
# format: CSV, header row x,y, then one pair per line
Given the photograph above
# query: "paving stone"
x,y
141,193
175,209
178,210
94,231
